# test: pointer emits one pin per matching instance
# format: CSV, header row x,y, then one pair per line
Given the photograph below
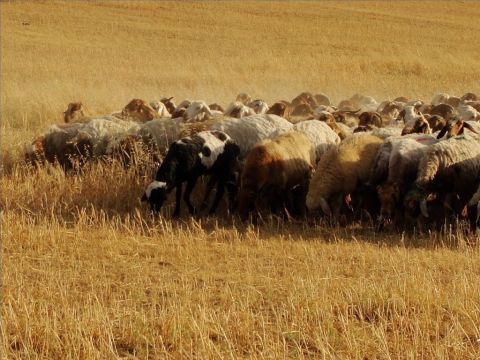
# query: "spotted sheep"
x,y
206,153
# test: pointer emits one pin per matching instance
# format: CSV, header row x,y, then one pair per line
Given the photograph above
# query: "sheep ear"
x,y
144,197
442,132
469,127
206,151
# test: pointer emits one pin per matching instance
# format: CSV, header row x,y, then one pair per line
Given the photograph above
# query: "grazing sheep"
x,y
160,108
474,210
467,112
468,97
450,166
370,118
139,110
322,99
340,171
274,168
216,107
440,99
342,130
197,111
208,152
405,156
259,107
454,101
244,98
436,122
238,110
420,126
250,130
281,108
320,134
169,104
304,98
456,127
74,113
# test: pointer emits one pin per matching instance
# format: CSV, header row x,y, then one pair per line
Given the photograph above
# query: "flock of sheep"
x,y
403,163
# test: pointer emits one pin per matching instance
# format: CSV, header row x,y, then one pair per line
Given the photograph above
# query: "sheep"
x,y
340,171
244,98
274,168
440,99
436,122
320,134
468,97
340,129
420,126
367,103
250,130
259,106
403,161
457,127
238,110
56,145
208,152
370,118
169,104
454,101
198,110
216,107
450,166
87,140
474,209
301,110
444,110
304,98
467,112
139,110
160,108
280,108
322,99
74,113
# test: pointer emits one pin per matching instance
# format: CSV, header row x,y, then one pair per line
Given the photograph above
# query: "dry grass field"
x,y
87,274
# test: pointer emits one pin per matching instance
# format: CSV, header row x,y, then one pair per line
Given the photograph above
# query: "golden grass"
x,y
88,274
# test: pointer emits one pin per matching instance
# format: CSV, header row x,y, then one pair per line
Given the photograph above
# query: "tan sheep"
x,y
341,170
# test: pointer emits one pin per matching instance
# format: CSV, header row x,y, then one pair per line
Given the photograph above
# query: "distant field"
x,y
87,274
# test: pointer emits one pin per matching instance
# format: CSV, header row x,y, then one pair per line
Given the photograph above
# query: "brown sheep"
x,y
74,113
469,97
281,108
454,101
454,128
169,104
420,126
274,168
140,110
322,99
304,98
370,118
216,107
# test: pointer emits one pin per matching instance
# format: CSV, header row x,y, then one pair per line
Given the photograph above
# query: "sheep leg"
x,y
218,196
188,191
178,197
232,194
210,184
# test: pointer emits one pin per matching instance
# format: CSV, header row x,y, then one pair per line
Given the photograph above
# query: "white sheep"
x,y
450,166
250,130
160,107
238,110
320,134
259,106
468,113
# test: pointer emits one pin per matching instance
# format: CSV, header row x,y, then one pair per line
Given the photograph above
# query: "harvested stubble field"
x,y
88,274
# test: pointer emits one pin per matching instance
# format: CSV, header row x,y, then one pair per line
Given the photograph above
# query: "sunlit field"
x,y
88,273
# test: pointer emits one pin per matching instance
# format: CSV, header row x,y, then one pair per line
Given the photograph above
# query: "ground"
x,y
88,274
